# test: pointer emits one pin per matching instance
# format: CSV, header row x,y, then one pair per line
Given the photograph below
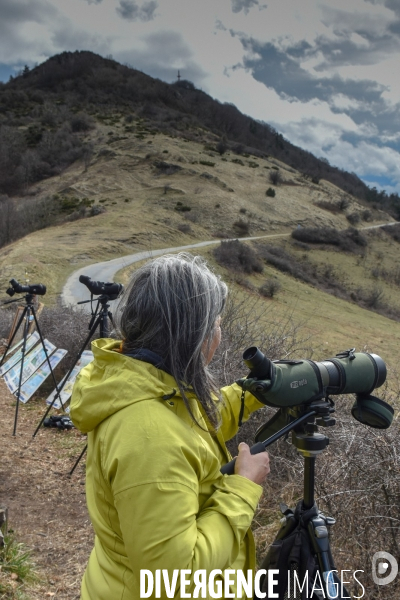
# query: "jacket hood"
x,y
112,382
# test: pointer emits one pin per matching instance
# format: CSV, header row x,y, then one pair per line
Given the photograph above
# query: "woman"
x,y
156,438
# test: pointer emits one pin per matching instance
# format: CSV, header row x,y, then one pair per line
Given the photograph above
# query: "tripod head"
x,y
29,299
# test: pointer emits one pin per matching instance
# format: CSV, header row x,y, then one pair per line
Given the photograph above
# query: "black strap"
x,y
241,408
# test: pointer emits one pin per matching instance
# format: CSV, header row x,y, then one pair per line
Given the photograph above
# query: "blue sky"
x,y
324,73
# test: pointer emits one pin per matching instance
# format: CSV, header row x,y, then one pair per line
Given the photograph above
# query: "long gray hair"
x,y
170,307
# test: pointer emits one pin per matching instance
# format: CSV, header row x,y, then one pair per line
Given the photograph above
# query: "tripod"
x,y
314,524
29,310
100,318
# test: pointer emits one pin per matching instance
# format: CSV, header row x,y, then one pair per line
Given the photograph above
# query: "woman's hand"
x,y
252,466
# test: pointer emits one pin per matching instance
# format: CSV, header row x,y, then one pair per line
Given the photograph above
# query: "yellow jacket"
x,y
155,494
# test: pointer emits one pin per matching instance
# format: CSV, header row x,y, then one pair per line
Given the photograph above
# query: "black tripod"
x,y
314,524
29,310
100,319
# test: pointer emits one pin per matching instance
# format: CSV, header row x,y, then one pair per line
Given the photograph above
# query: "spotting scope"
x,y
301,390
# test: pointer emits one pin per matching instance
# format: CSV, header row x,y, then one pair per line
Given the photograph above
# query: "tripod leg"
x,y
77,462
12,338
103,323
26,312
47,356
91,332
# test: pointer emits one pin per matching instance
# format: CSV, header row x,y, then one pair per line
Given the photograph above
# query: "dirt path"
x,y
73,291
47,508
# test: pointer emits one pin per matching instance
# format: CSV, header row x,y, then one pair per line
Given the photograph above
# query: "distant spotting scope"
x,y
286,384
111,290
37,289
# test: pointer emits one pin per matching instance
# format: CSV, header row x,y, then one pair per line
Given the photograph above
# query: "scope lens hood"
x,y
372,411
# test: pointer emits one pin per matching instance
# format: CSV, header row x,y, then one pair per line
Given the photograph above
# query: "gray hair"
x,y
170,307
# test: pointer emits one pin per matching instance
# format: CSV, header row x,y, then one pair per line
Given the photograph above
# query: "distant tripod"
x,y
26,314
99,319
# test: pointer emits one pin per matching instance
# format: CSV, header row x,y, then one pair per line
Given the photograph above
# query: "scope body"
x,y
37,289
112,290
292,382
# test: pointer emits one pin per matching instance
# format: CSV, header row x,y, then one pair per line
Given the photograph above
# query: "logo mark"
x,y
381,561
297,384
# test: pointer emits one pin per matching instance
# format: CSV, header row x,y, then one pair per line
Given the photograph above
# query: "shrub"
x,y
331,206
275,177
81,122
166,168
207,163
344,203
253,164
238,161
221,147
393,231
270,192
350,240
238,257
366,215
270,288
353,218
243,210
185,228
182,207
241,227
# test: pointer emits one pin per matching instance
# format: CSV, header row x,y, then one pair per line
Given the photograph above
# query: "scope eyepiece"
x,y
257,362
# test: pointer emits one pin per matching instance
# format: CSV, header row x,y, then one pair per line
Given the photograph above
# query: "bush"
x,y
238,257
221,147
238,161
353,218
366,215
185,228
241,227
207,163
331,206
350,240
182,207
81,122
270,192
275,177
393,231
270,288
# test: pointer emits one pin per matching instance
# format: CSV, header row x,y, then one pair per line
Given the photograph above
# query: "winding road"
x,y
74,291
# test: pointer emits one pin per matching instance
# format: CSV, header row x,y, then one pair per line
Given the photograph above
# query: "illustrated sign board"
x,y
85,359
30,342
31,363
33,383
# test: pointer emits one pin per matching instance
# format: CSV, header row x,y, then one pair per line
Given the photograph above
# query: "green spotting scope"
x,y
290,383
300,389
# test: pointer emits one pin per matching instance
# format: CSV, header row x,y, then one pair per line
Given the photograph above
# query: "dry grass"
x,y
140,213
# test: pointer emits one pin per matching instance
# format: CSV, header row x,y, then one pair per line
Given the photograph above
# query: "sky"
x,y
324,73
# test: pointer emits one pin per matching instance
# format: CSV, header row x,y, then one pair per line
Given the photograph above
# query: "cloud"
x,y
94,1
130,10
245,5
161,55
348,151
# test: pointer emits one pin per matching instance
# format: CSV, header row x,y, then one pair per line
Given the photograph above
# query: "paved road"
x,y
74,291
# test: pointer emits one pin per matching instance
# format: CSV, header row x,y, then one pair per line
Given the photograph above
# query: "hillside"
x,y
141,182
42,109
